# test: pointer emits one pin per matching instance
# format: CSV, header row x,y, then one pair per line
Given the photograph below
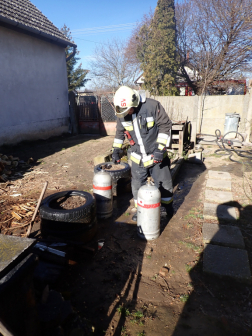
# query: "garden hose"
x,y
222,142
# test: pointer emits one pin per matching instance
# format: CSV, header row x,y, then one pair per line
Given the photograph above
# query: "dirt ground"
x,y
131,287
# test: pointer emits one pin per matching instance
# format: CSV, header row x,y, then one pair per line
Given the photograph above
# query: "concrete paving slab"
x,y
195,158
223,235
213,174
227,262
218,196
219,184
219,212
12,250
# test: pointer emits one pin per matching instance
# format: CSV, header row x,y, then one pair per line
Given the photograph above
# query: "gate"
x,y
88,115
96,114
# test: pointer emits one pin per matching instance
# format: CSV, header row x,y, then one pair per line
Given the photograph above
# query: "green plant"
x,y
184,297
185,155
148,256
154,277
123,331
194,247
127,214
141,334
190,285
188,268
123,311
138,314
137,317
171,155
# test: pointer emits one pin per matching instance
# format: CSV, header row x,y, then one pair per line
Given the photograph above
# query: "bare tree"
x,y
112,66
135,45
214,40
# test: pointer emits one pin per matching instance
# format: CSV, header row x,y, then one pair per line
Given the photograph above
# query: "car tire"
x,y
78,224
70,232
83,214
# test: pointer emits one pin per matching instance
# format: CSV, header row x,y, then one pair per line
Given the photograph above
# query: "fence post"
x,y
73,119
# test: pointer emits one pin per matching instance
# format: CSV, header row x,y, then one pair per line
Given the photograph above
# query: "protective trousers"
x,y
161,175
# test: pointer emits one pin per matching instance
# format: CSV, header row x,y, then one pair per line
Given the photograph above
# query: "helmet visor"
x,y
121,112
120,109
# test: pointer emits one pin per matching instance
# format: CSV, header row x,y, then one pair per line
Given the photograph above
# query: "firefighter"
x,y
149,128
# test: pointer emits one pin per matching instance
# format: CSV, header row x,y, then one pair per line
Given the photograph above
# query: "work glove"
x,y
115,156
158,155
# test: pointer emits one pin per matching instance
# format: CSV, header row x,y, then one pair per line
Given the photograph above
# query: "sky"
x,y
94,22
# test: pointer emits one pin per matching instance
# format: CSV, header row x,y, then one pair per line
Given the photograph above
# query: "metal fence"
x,y
107,108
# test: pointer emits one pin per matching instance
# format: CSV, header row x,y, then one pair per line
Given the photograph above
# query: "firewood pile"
x,y
8,166
15,215
16,218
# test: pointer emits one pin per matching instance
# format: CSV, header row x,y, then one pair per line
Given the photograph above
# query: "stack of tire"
x,y
78,224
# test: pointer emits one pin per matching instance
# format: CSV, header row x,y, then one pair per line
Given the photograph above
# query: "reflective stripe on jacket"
x,y
148,126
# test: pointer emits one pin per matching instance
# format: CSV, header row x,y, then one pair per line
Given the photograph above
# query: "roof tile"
x,y
24,12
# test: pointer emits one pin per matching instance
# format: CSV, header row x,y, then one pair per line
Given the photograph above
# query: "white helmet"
x,y
124,99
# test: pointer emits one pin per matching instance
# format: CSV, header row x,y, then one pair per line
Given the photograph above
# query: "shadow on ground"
x,y
219,305
111,289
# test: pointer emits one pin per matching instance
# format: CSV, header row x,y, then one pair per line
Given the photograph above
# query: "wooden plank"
x,y
181,138
177,127
175,136
176,146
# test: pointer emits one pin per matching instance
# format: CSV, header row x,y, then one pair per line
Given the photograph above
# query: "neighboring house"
x,y
225,87
33,75
184,90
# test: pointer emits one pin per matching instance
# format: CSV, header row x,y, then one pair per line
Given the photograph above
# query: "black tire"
x,y
73,231
83,215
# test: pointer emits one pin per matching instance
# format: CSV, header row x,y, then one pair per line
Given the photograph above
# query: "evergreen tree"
x,y
76,76
157,50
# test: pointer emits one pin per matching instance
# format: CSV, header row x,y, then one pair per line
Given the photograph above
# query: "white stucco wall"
x,y
179,108
214,111
33,88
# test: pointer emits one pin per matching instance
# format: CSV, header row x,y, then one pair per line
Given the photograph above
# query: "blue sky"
x,y
96,21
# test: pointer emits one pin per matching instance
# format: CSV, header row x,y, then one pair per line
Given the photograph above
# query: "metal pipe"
x,y
71,55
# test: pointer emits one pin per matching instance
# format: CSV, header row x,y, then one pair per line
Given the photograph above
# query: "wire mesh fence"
x,y
107,108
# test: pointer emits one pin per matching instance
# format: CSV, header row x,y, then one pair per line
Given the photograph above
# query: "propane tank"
x,y
102,189
148,211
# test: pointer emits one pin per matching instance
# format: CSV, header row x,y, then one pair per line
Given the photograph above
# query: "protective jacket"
x,y
149,127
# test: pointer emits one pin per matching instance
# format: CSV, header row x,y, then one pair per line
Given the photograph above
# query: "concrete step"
x,y
218,196
227,262
219,175
223,235
219,212
219,184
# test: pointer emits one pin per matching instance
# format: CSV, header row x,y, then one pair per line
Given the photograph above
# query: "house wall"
x,y
33,88
214,109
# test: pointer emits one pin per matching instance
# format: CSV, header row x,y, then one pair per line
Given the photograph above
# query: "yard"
x,y
130,287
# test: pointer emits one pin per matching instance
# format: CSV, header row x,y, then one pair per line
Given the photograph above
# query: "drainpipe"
x,y
71,55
